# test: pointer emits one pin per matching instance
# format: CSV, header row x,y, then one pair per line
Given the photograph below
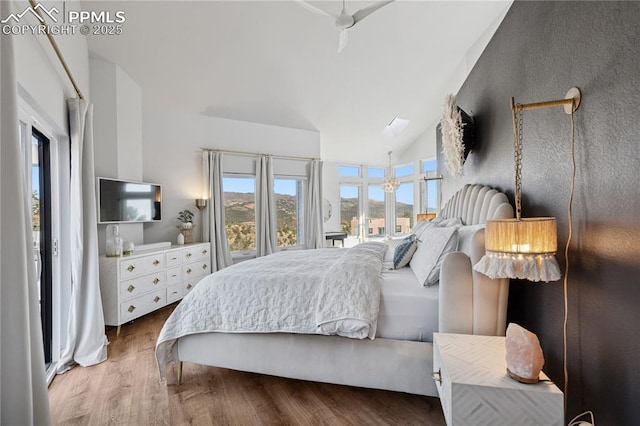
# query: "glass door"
x,y
36,148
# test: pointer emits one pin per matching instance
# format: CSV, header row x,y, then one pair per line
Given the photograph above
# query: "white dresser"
x,y
474,389
135,285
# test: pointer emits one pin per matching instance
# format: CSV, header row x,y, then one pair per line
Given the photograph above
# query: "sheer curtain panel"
x,y
23,390
86,341
266,239
213,228
314,222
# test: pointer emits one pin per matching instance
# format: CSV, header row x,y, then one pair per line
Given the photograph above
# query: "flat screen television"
x,y
127,201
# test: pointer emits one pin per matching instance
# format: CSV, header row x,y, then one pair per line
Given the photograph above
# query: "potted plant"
x,y
185,217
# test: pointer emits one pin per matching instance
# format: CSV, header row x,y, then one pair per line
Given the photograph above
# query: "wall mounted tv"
x,y
127,201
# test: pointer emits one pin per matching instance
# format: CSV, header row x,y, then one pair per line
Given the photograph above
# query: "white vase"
x,y
180,239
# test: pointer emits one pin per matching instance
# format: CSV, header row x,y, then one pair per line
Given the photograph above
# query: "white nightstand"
x,y
474,389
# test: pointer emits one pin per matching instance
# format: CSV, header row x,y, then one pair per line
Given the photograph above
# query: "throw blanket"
x,y
321,291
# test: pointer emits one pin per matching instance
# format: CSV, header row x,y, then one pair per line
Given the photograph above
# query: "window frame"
x,y
240,254
301,193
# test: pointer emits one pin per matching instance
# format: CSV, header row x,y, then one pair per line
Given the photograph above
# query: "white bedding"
x,y
322,291
408,310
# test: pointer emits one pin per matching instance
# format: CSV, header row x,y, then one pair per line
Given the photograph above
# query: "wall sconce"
x,y
201,203
524,248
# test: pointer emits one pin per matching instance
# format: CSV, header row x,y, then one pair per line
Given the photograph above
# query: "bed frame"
x,y
469,303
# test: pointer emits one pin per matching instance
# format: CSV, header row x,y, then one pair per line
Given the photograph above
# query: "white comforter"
x,y
323,291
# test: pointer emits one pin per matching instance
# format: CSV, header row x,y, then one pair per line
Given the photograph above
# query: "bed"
x,y
392,351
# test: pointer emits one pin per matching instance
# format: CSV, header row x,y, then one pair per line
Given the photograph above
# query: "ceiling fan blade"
x,y
315,9
369,9
344,38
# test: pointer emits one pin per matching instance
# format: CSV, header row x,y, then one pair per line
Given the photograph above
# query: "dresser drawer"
x,y
195,254
174,293
174,275
174,257
197,269
138,266
146,283
443,383
142,305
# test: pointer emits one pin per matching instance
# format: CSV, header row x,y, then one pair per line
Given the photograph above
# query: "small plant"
x,y
185,216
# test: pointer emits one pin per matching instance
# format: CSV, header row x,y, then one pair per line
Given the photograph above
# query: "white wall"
x,y
172,157
117,134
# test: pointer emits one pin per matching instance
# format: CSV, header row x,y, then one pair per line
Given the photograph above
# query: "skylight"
x,y
395,127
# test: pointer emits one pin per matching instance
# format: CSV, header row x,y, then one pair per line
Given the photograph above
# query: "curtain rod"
x,y
253,154
53,43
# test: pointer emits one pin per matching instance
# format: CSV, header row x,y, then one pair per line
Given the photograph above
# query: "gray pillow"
x,y
404,251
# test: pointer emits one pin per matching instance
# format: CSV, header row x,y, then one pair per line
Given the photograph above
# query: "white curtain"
x,y
314,221
86,341
266,240
213,228
23,390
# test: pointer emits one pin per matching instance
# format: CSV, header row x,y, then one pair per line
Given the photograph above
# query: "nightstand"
x,y
474,389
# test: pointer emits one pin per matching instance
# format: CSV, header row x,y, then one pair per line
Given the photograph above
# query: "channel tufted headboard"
x,y
470,302
475,204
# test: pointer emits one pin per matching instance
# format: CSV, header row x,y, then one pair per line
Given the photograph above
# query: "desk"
x,y
333,236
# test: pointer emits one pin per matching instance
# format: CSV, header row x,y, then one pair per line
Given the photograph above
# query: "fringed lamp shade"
x,y
521,248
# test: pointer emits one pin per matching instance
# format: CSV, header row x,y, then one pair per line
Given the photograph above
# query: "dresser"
x,y
474,389
135,285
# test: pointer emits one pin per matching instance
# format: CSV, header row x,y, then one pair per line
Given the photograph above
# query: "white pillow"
x,y
435,243
465,237
452,221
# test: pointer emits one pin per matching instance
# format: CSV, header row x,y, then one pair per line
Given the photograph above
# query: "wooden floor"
x,y
125,390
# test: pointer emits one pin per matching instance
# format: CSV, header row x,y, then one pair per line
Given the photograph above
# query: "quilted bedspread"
x,y
321,291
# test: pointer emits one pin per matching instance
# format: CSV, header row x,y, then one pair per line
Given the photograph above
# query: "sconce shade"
x,y
521,248
201,203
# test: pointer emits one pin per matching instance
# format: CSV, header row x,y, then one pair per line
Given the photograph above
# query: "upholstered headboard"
x,y
475,204
470,302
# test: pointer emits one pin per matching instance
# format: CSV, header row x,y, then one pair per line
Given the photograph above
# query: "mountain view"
x,y
349,210
240,224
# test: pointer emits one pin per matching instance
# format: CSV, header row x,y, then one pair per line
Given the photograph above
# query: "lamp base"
x,y
522,379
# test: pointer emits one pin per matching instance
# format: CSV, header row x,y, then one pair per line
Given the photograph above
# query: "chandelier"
x,y
390,183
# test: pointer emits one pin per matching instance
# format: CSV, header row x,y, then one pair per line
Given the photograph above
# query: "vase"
x,y
180,239
114,241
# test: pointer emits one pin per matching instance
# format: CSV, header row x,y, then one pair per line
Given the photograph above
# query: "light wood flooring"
x,y
125,390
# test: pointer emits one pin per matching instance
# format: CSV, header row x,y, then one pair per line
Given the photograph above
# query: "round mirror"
x,y
327,210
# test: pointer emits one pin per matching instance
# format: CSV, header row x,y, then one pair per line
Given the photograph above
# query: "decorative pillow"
x,y
404,251
465,237
453,221
417,228
436,243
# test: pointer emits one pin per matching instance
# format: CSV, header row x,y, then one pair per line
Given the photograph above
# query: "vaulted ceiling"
x,y
275,62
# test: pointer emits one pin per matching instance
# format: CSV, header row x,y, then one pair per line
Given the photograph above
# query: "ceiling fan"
x,y
344,21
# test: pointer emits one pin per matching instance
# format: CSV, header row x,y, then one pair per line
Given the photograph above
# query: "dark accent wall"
x,y
541,50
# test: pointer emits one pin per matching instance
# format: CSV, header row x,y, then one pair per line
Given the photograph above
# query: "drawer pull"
x,y
131,308
204,266
188,255
174,258
156,280
189,271
156,262
189,286
437,376
156,299
131,268
131,288
174,275
204,251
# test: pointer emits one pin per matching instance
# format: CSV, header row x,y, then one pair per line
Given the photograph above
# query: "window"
x,y
349,209
375,172
349,171
403,170
376,210
429,166
289,211
404,207
240,211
